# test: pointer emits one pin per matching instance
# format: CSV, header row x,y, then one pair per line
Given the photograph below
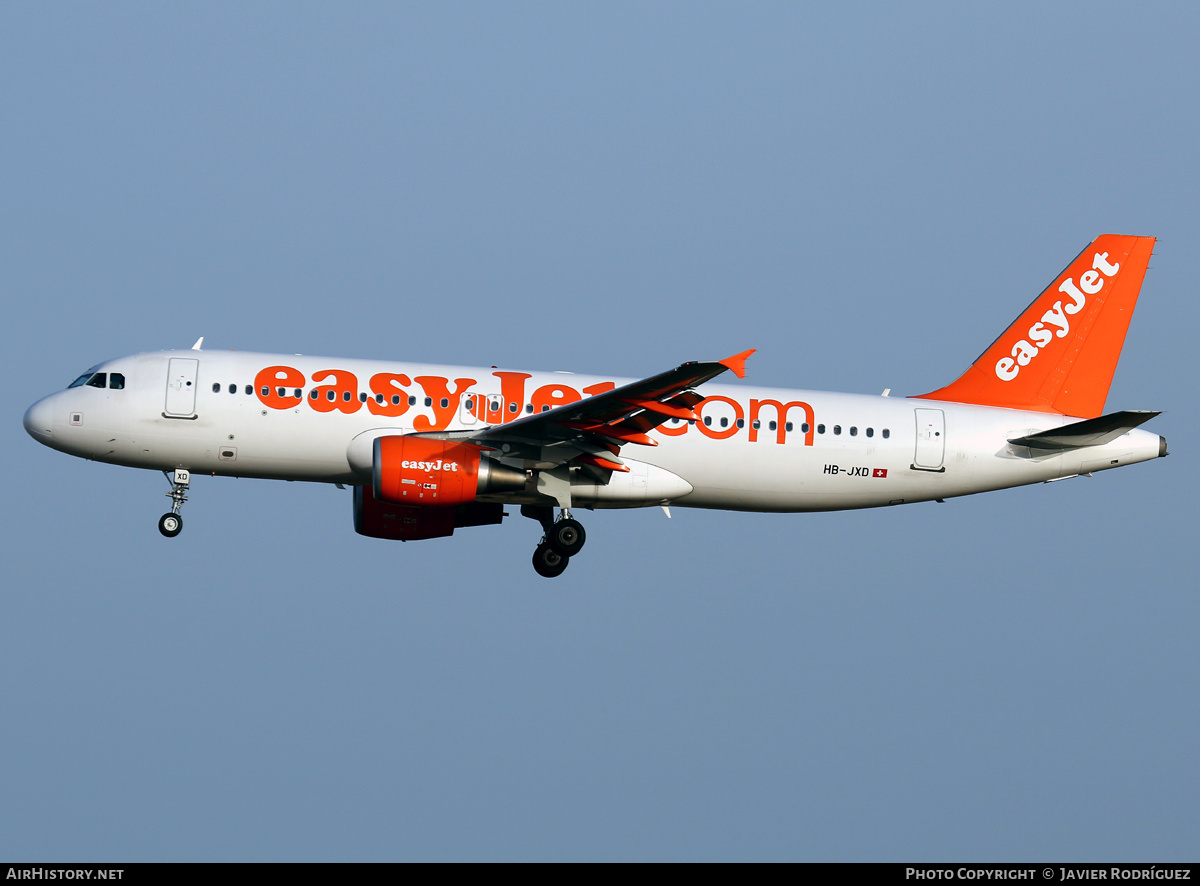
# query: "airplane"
x,y
430,449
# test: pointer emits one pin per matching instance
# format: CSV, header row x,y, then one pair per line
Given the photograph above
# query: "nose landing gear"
x,y
564,539
171,523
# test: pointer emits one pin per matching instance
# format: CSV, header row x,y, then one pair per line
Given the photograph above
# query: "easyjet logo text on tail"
x,y
1055,323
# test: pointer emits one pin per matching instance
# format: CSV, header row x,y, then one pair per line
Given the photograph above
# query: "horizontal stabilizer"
x,y
1090,432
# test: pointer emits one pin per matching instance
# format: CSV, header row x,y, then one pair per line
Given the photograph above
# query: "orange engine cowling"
x,y
420,472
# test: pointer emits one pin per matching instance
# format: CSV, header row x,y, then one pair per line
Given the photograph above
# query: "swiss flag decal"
x,y
879,472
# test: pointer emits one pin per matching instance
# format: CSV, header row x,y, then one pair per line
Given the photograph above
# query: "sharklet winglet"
x,y
737,363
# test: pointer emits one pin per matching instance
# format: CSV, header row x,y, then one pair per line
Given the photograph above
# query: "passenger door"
x,y
931,440
181,387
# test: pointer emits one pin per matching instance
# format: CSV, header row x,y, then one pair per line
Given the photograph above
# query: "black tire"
x,y
567,537
170,525
549,563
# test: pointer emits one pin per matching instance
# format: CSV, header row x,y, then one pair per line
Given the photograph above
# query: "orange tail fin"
x,y
1061,353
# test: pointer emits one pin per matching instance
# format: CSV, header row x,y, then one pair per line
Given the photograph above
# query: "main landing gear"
x,y
171,524
564,539
549,563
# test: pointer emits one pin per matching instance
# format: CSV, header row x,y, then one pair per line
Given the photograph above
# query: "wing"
x,y
591,432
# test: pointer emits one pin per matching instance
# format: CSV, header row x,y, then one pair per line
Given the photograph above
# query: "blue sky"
x,y
867,193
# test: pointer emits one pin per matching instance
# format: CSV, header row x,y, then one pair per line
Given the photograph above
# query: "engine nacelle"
x,y
380,519
420,472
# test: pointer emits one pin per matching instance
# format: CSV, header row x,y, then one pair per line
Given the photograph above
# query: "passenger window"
x,y
837,429
870,432
741,423
429,402
708,420
266,392
470,405
116,381
756,424
724,422
346,396
445,403
216,387
412,401
98,380
298,394
886,433
362,397
529,407
330,395
853,431
513,408
249,390
233,389
804,428
545,407
820,429
379,399
772,425
312,395
79,381
395,400
788,427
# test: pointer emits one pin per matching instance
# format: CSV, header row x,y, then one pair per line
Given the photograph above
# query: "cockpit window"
x,y
79,381
99,380
116,381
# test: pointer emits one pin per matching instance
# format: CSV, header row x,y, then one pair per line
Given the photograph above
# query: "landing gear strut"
x,y
564,539
171,524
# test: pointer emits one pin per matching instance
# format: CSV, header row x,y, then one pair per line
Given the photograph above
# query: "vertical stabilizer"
x,y
1061,353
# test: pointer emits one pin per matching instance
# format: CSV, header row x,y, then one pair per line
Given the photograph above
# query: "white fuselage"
x,y
205,411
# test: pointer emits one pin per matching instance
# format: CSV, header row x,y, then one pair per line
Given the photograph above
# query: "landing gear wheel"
x,y
549,563
170,525
567,537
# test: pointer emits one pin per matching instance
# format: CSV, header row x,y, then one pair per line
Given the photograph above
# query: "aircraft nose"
x,y
39,420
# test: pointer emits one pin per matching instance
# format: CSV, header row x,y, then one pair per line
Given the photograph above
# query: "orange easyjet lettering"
x,y
724,432
512,395
781,413
444,402
341,395
276,386
552,396
282,387
389,398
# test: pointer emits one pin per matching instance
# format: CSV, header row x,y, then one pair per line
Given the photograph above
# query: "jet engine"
x,y
421,472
